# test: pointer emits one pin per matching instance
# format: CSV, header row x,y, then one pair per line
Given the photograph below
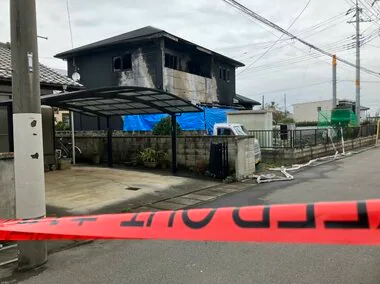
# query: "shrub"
x,y
148,155
164,127
307,123
61,126
287,120
201,167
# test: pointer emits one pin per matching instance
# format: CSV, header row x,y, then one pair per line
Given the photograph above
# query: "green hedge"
x,y
307,123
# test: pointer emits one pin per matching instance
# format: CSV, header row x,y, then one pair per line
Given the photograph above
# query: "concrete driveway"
x,y
85,190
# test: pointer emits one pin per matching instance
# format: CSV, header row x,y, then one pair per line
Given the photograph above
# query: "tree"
x,y
278,115
164,127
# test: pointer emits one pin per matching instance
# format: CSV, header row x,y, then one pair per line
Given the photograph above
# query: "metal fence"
x,y
301,138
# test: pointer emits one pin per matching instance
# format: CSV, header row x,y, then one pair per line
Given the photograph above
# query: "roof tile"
x,y
47,75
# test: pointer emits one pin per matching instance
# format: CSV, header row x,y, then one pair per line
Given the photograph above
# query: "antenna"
x,y
75,76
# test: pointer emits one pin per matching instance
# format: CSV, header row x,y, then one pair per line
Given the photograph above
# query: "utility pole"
x,y
285,103
357,81
27,123
357,22
262,103
334,81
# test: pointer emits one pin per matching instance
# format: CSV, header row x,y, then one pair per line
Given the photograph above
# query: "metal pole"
x,y
27,122
109,142
72,135
285,103
262,104
357,82
174,143
334,81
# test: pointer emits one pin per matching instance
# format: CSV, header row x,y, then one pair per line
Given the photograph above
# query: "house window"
x,y
116,64
224,74
127,61
319,108
171,61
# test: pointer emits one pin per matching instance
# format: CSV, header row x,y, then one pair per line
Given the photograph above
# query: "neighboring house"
x,y
50,81
244,102
154,58
309,111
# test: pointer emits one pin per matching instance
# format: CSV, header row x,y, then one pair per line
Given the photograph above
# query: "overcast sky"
x,y
289,67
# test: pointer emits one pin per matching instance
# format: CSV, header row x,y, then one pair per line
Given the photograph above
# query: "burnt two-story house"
x,y
154,58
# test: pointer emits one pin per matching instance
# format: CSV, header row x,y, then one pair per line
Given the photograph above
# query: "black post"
x,y
315,137
174,144
109,140
10,128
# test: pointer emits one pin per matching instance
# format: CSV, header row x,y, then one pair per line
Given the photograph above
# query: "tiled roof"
x,y
47,75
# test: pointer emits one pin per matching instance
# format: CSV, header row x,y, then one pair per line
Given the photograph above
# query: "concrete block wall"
x,y
191,150
245,159
7,187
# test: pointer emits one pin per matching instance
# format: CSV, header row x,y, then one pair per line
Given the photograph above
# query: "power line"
x,y
294,21
278,28
307,86
290,89
306,30
69,18
334,46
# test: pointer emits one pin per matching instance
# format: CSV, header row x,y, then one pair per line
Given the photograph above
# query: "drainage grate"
x,y
132,188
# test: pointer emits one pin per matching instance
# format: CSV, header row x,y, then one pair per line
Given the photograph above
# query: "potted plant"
x,y
163,159
149,157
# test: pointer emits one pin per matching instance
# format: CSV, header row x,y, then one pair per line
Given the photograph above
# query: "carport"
x,y
119,101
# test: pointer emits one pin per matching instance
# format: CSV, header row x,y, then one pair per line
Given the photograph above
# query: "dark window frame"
x,y
113,63
224,74
129,62
171,61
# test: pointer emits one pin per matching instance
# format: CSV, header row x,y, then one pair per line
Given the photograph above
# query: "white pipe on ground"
x,y
288,177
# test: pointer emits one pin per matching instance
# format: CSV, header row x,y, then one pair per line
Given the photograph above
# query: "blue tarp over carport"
x,y
188,121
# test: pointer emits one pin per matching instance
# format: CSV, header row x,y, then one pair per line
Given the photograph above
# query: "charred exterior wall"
x,y
175,67
97,70
190,87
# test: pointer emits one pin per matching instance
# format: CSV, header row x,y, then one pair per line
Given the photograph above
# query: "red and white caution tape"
x,y
355,223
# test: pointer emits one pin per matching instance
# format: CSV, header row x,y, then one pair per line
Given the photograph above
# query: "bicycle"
x,y
66,151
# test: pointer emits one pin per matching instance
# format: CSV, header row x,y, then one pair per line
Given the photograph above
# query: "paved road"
x,y
353,178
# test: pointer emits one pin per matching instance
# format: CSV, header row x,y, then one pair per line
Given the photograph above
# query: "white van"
x,y
234,129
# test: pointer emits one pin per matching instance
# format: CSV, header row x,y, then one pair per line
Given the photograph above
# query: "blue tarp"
x,y
188,121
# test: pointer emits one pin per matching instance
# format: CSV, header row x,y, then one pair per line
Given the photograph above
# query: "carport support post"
x,y
109,142
27,122
72,136
174,144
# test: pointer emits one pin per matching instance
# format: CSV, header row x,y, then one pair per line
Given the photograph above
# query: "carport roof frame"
x,y
121,100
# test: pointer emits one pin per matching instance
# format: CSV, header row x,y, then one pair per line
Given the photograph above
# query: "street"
x,y
352,178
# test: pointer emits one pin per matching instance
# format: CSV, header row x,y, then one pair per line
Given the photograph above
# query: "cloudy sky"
x,y
288,67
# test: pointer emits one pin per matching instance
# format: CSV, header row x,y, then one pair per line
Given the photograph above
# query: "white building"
x,y
309,111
